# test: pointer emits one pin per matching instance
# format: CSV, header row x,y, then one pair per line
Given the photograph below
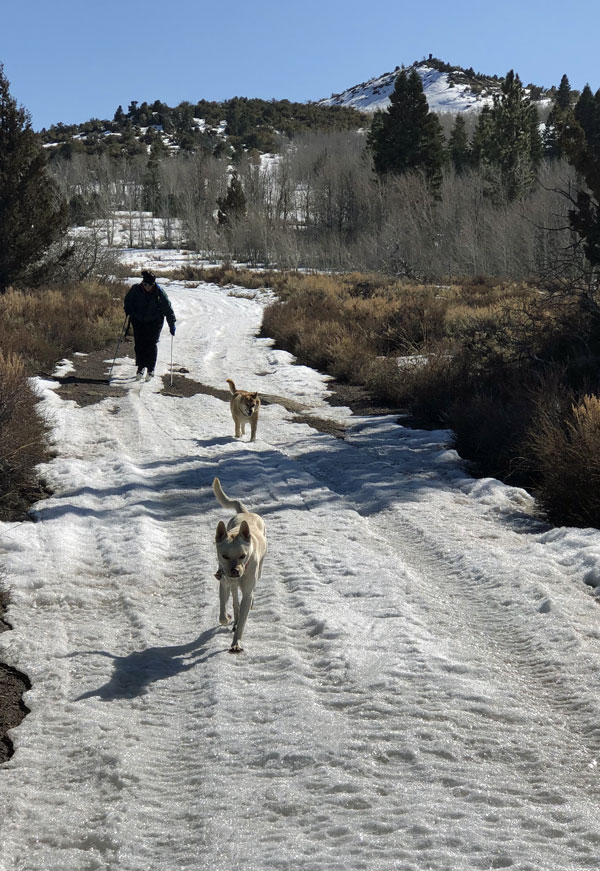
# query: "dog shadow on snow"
x,y
133,674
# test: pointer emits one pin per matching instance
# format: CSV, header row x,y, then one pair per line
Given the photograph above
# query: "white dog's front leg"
x,y
224,591
240,622
236,605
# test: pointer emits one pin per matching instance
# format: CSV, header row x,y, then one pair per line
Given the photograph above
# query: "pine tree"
x,y
151,191
510,142
407,135
586,112
555,120
481,134
32,215
232,207
580,140
458,146
563,94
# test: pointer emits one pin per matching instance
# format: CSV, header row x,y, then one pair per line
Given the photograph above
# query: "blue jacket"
x,y
146,306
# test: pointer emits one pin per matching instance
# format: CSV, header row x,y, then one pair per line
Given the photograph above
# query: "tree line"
x,y
228,126
402,197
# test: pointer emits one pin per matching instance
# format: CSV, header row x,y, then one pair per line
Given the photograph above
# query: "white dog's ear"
x,y
221,531
245,531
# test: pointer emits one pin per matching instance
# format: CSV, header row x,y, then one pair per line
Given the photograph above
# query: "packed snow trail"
x,y
419,687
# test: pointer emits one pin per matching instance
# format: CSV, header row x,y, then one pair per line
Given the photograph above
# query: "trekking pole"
x,y
121,334
171,359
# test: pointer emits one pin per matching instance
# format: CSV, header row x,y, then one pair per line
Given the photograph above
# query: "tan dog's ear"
x,y
244,531
221,531
255,394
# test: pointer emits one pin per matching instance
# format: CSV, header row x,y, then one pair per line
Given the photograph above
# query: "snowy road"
x,y
419,687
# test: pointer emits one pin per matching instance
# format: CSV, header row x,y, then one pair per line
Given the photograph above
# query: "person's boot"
x,y
149,374
139,373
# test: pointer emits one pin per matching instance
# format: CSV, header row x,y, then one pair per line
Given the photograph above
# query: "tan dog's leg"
x,y
236,607
240,621
224,617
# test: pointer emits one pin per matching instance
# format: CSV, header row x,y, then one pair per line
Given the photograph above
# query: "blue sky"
x,y
71,61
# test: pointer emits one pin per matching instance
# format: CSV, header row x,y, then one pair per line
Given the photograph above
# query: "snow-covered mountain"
x,y
448,89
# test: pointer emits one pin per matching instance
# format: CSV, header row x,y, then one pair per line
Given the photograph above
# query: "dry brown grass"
x,y
22,438
222,275
346,324
566,452
42,326
37,329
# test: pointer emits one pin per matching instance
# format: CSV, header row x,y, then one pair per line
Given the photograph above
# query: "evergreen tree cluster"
x,y
232,207
577,134
32,214
506,143
407,136
250,123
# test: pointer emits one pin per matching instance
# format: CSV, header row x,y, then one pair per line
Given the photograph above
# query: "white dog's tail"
x,y
226,502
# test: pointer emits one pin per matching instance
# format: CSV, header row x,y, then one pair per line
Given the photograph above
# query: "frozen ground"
x,y
419,687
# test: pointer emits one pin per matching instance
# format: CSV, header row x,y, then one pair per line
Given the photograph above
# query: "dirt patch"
x,y
182,386
89,383
330,427
358,400
12,686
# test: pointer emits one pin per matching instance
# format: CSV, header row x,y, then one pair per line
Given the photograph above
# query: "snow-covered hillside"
x,y
420,682
446,91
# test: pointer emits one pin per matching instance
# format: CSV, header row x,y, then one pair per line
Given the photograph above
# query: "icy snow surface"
x,y
419,686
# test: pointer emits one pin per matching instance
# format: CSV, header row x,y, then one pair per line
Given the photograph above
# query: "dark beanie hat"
x,y
148,277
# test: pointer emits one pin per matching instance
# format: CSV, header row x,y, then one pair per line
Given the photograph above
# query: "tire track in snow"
x,y
344,692
462,582
457,598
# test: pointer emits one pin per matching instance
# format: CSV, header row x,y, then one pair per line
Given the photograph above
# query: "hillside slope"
x,y
448,89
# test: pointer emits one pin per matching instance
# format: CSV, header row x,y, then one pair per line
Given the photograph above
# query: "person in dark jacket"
x,y
147,306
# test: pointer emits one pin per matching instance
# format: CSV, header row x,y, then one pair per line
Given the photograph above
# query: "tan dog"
x,y
241,549
244,407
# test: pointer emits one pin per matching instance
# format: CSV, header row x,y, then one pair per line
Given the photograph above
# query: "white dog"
x,y
241,549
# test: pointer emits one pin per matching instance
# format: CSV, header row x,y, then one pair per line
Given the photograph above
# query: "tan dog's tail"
x,y
231,385
226,502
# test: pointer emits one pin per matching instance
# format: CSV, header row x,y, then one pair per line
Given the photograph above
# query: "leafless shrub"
x,y
564,446
44,325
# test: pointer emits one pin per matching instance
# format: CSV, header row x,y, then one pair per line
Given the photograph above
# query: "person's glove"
x,y
172,329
